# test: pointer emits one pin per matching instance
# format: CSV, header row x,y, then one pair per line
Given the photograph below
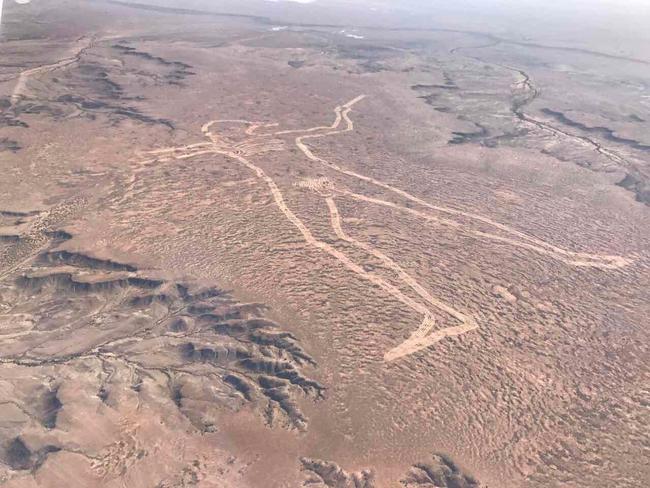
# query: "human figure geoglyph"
x,y
243,140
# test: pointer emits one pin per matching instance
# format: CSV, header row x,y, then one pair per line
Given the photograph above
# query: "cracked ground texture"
x,y
266,250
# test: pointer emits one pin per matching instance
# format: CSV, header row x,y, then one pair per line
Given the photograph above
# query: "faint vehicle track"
x,y
423,336
21,84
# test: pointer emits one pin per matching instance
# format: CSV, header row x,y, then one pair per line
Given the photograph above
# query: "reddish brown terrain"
x,y
254,244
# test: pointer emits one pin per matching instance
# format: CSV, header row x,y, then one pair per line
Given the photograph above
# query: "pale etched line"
x,y
486,235
418,341
194,154
169,150
336,225
309,237
422,337
388,262
582,259
251,130
335,124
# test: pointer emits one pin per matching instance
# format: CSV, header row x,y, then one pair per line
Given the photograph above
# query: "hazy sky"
x,y
613,25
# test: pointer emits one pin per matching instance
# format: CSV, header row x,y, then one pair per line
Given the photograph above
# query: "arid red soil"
x,y
257,251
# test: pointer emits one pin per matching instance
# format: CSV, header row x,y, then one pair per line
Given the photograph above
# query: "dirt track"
x,y
21,85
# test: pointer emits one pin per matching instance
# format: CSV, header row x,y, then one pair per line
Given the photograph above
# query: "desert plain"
x,y
261,244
